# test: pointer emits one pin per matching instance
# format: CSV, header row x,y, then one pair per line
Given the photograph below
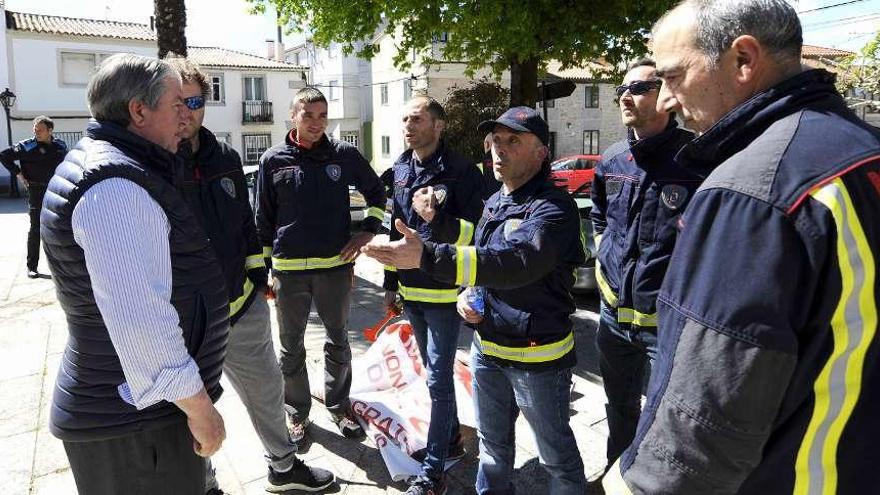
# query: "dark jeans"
x,y
624,352
436,327
544,397
35,204
331,293
144,463
13,186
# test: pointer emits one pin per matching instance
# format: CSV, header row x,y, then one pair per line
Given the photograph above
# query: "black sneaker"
x,y
300,477
215,491
456,451
424,486
33,274
348,425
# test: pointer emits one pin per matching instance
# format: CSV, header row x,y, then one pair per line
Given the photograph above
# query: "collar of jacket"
x,y
435,163
148,154
208,145
524,192
320,150
745,122
647,146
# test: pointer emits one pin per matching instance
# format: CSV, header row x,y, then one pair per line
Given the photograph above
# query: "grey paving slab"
x,y
16,459
19,404
58,483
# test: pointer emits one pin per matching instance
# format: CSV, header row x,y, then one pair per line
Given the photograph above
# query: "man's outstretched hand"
x,y
403,254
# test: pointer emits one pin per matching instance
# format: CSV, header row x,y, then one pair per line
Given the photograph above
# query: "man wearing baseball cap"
x,y
518,278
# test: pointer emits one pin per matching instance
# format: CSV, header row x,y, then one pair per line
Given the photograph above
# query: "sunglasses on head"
x,y
637,87
194,102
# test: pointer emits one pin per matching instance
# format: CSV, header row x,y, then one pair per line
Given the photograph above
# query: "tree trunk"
x,y
171,27
523,82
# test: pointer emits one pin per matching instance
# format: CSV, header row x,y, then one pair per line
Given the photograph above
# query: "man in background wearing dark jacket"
x,y
438,194
519,276
303,222
213,184
38,157
639,193
767,378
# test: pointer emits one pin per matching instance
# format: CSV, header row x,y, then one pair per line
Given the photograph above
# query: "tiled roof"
x,y
207,56
222,57
586,72
821,51
72,26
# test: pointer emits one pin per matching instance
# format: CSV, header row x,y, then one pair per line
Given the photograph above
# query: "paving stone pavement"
x,y
33,333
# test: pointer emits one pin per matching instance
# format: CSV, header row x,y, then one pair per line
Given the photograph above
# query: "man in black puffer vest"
x,y
144,294
213,185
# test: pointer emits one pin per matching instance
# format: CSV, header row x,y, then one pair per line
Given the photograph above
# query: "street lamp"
x,y
7,99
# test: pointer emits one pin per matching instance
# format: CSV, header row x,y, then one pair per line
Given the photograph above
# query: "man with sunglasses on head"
x,y
638,195
213,185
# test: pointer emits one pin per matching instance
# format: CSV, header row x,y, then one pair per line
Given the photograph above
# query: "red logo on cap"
x,y
522,116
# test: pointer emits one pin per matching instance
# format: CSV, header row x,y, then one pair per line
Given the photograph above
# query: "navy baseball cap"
x,y
519,119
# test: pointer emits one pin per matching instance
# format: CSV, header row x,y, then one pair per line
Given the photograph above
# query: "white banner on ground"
x,y
389,396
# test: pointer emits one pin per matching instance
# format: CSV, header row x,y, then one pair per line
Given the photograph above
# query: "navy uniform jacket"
x,y
528,245
458,186
212,183
38,160
768,372
639,193
303,218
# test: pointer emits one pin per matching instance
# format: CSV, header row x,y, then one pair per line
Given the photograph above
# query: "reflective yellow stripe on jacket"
x,y
465,233
254,261
531,354
465,266
376,212
853,327
235,306
267,251
299,264
418,294
631,316
607,294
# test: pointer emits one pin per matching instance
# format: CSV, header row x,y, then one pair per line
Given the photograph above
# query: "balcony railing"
x,y
256,112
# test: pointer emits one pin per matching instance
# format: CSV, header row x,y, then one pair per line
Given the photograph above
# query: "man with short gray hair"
x,y
144,295
766,378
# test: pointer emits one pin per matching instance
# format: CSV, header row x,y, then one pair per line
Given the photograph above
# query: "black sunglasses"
x,y
194,102
638,87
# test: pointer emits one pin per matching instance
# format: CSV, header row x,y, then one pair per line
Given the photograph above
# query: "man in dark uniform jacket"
x,y
38,157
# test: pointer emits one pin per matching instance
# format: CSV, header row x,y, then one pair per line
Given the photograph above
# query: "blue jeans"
x,y
435,328
624,352
544,397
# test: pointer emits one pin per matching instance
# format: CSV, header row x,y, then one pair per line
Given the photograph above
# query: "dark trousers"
x,y
624,353
331,293
143,463
13,186
35,204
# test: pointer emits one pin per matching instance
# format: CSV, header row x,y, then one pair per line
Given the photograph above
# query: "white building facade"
x,y
49,61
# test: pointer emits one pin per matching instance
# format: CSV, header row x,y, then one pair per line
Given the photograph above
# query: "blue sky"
x,y
226,23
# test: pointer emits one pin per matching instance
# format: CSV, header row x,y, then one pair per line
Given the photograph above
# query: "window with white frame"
x,y
407,89
386,146
333,90
77,67
254,88
591,96
591,142
254,146
383,94
350,137
216,88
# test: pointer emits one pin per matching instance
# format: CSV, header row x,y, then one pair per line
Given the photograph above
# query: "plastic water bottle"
x,y
476,300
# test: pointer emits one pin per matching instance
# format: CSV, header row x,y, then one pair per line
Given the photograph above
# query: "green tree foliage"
x,y
516,35
861,71
171,27
468,106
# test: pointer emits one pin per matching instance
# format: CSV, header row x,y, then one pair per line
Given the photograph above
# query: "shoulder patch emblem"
x,y
673,196
228,186
334,172
510,227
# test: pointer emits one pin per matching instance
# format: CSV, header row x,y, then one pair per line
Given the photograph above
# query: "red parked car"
x,y
575,173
